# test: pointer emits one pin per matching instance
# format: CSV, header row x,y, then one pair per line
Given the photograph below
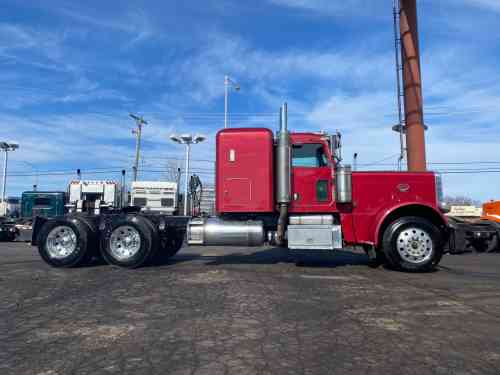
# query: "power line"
x,y
56,173
466,163
92,172
442,163
471,172
212,173
179,159
74,169
380,161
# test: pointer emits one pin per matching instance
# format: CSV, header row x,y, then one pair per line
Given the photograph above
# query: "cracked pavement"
x,y
248,311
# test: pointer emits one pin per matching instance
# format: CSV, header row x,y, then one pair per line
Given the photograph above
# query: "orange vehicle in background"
x,y
491,211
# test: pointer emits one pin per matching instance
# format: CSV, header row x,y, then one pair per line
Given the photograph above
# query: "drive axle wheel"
x,y
130,242
413,244
65,243
170,245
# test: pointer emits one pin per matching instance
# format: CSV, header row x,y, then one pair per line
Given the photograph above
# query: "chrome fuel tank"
x,y
217,232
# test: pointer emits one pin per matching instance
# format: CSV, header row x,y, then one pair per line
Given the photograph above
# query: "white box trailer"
x,y
157,196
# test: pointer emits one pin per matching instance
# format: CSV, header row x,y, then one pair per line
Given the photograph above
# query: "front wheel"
x,y
413,244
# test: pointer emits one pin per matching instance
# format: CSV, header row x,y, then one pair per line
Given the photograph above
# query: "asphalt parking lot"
x,y
226,311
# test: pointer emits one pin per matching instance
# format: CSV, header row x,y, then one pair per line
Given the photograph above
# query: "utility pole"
x,y
228,82
138,132
412,86
400,126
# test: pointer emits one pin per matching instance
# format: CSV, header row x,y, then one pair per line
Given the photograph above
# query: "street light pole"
x,y
4,183
186,179
188,140
227,82
138,132
6,147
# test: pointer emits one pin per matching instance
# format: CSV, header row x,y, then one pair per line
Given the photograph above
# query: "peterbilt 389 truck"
x,y
289,190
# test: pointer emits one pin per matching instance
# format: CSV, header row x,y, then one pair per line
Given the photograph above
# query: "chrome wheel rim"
x,y
125,242
414,245
61,242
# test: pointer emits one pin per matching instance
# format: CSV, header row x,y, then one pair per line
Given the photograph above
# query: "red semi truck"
x,y
288,189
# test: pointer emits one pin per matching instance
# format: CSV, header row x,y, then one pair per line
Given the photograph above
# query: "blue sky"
x,y
70,73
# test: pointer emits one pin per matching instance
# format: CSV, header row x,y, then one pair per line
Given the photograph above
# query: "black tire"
x,y
485,246
172,244
493,245
147,247
93,235
425,236
81,253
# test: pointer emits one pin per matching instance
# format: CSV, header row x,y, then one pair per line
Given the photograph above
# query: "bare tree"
x,y
172,170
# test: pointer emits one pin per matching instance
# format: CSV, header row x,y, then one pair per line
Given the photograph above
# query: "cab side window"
x,y
309,156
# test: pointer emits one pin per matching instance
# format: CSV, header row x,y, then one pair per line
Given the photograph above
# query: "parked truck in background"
x,y
155,196
10,208
287,190
94,194
58,203
8,230
491,211
43,203
80,196
476,230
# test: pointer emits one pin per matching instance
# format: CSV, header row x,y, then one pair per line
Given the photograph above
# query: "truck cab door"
x,y
312,180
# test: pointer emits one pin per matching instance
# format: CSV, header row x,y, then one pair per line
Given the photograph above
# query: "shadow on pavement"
x,y
278,255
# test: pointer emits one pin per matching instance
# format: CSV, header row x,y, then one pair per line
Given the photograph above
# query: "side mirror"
x,y
336,146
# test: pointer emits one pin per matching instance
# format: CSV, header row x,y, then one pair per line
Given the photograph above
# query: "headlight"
x,y
440,195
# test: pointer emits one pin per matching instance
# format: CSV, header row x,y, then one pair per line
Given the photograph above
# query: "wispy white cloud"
x,y
271,73
15,38
485,4
335,8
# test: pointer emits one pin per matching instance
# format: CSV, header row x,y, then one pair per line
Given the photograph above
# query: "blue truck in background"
x,y
42,203
18,225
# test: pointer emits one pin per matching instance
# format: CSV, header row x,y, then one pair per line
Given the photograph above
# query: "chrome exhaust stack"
x,y
283,175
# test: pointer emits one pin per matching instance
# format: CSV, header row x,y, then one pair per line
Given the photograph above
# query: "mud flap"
x,y
37,225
